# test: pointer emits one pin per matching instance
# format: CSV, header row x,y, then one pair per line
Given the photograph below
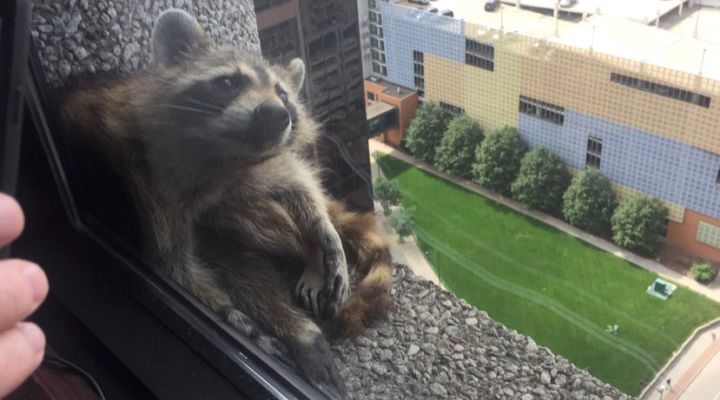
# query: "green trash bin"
x,y
660,286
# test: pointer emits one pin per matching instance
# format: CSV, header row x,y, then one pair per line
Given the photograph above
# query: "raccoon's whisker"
x,y
202,103
177,107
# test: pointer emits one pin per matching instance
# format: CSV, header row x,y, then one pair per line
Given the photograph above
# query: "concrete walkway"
x,y
712,291
407,253
693,372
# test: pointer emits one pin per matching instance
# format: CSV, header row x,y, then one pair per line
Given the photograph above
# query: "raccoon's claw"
x,y
309,289
337,284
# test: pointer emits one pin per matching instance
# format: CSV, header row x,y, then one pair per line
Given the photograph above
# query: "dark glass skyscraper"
x,y
324,33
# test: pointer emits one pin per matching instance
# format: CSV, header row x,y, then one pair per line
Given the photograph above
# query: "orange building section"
x,y
684,235
404,99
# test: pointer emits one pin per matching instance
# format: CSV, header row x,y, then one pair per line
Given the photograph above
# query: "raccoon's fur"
x,y
216,149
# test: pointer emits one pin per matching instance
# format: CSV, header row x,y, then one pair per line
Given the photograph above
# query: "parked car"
x,y
492,5
425,2
433,10
567,3
447,13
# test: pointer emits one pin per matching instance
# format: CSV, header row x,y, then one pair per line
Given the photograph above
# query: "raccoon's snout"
x,y
271,118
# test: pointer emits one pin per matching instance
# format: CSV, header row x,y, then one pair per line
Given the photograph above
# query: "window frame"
x,y
542,110
451,108
479,54
593,152
661,89
217,360
419,72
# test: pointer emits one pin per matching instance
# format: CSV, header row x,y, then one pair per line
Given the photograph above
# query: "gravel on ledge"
x,y
436,346
78,36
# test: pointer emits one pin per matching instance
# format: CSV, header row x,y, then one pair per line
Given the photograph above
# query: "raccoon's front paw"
x,y
337,283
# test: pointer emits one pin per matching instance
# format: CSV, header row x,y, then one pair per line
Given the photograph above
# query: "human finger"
x,y
23,286
11,219
21,350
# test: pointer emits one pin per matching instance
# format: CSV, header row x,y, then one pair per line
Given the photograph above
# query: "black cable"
x,y
59,362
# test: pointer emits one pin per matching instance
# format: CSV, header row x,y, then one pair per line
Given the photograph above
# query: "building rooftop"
x,y
376,108
612,31
392,89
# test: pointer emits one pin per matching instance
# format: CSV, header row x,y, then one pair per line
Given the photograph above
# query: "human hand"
x,y
23,286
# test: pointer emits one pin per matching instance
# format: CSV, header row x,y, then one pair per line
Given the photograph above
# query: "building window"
x,y
419,71
376,43
542,110
594,152
371,96
661,90
372,4
717,178
479,55
451,109
708,234
378,56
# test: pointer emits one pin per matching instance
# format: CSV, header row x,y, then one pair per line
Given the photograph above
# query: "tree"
x,y
426,131
387,192
703,272
498,160
456,152
541,181
589,202
638,224
403,223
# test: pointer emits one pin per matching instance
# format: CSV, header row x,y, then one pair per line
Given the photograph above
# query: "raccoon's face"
x,y
228,104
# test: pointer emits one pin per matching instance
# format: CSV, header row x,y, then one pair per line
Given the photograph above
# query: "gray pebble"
x,y
64,69
45,28
130,50
364,354
438,389
413,349
80,53
545,378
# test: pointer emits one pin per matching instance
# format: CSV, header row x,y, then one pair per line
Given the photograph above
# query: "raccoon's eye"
x,y
229,82
281,94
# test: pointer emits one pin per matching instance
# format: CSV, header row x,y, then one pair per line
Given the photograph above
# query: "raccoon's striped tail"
x,y
368,252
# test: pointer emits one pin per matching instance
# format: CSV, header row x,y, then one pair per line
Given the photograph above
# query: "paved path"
x,y
407,253
694,371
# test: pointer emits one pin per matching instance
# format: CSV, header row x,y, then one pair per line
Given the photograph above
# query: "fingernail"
x,y
34,336
36,279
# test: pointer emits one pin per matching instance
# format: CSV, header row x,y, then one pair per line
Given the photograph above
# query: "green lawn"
x,y
547,284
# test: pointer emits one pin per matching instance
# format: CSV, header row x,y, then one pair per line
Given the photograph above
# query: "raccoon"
x,y
216,149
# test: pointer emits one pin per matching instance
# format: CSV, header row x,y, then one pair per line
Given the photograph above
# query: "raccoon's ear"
x,y
296,72
176,34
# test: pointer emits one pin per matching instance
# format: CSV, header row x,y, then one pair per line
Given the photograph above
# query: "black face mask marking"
x,y
215,95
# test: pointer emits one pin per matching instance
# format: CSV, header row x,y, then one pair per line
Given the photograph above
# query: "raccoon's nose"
x,y
271,118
